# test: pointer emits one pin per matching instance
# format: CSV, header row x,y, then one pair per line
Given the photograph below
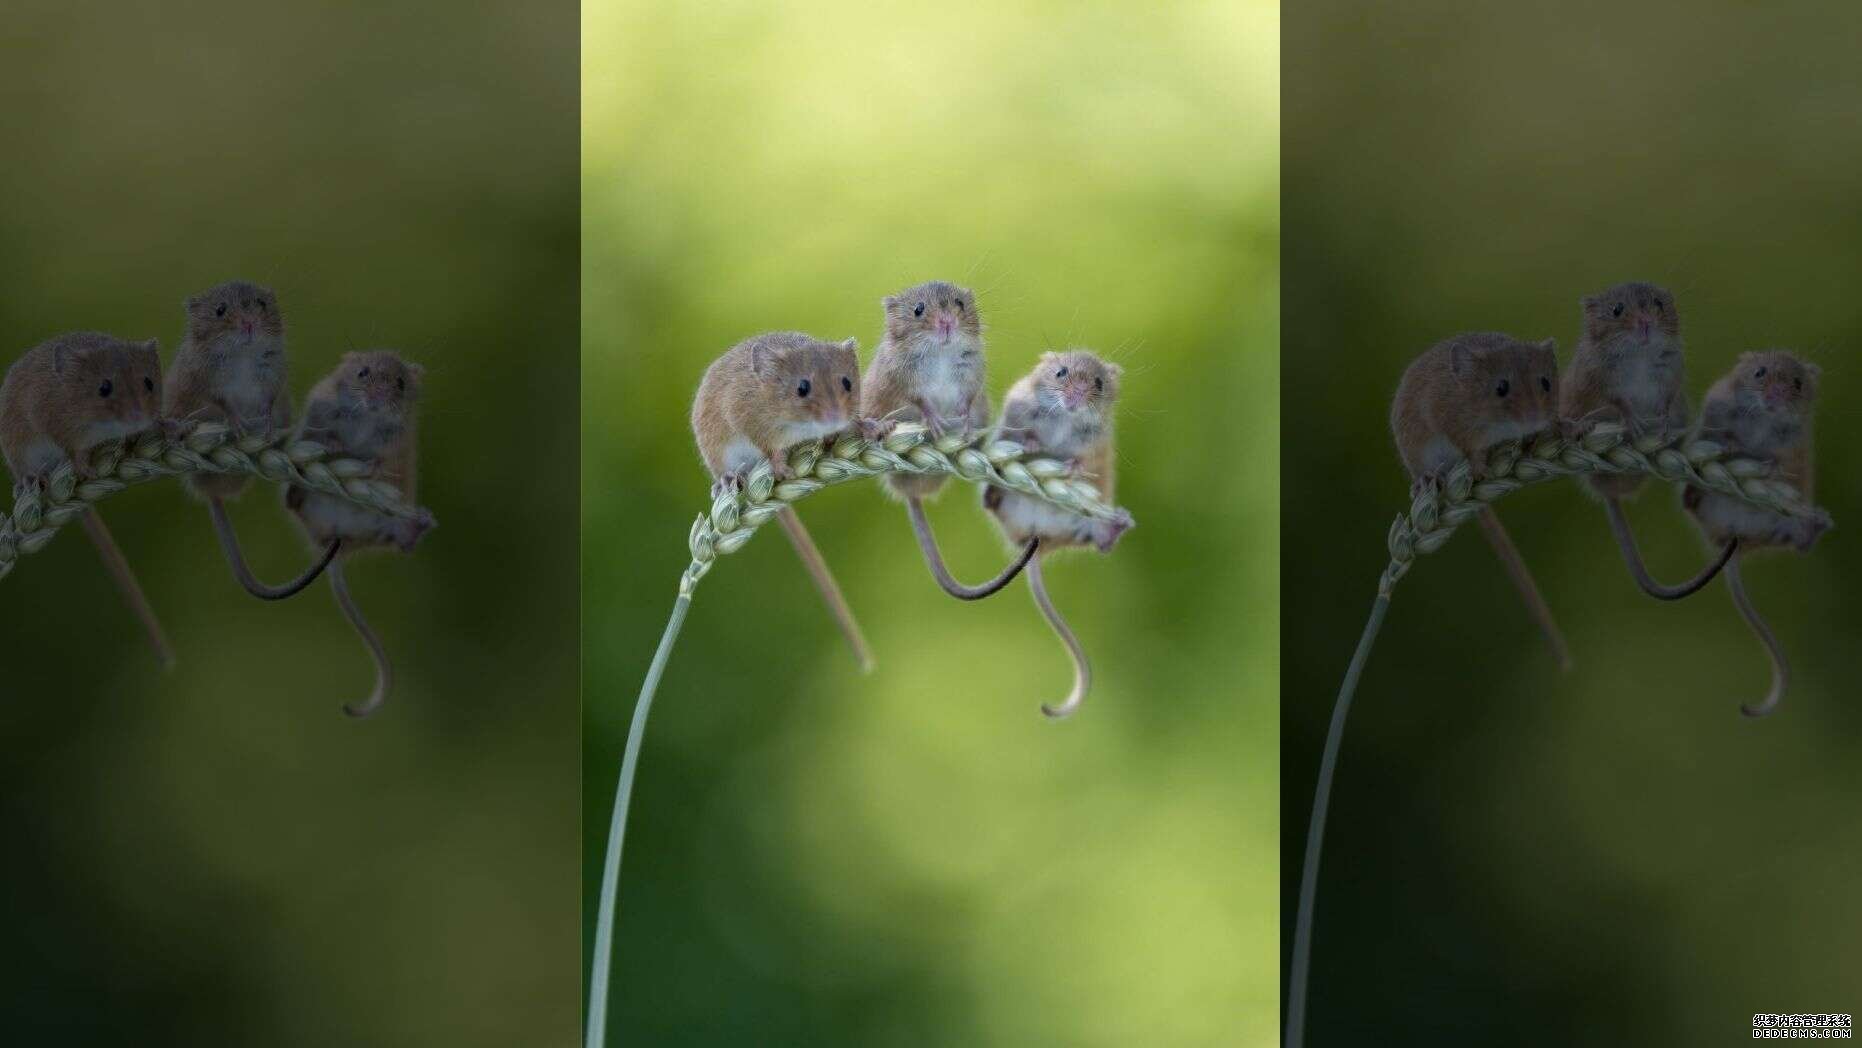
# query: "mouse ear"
x,y
1460,355
1550,348
890,301
851,345
60,354
762,358
1113,371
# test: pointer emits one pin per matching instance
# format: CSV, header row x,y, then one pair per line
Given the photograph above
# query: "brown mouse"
x,y
1628,368
364,409
1464,395
64,397
929,368
1761,409
763,396
231,368
1062,410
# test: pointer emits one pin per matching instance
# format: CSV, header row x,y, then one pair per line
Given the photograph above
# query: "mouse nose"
x,y
946,324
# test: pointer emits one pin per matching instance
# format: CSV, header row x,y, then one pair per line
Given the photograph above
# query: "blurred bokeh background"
x,y
216,855
1611,855
917,857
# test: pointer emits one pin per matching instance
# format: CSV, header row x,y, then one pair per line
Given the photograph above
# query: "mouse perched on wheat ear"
x,y
63,398
231,369
1461,397
930,369
364,409
763,396
1063,410
1629,368
1761,409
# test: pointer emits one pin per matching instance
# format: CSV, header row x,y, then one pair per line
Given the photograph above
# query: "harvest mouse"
x,y
1762,409
364,409
764,395
1459,398
64,397
1062,409
231,369
1628,368
929,368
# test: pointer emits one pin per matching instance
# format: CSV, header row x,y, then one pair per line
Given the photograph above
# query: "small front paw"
x,y
875,428
1108,531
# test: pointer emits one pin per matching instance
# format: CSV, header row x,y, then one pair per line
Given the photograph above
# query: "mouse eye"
x,y
148,383
220,310
1760,373
104,390
802,388
960,305
1545,383
846,383
1099,384
919,311
261,305
400,384
1618,311
1658,306
364,373
1799,383
1062,373
1501,389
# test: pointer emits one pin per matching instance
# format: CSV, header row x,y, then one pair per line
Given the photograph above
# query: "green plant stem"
x,y
1315,829
617,825
733,519
1433,516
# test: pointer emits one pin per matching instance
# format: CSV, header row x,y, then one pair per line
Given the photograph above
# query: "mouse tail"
x,y
927,542
1632,558
1522,580
229,542
384,672
1082,670
1780,668
125,578
824,582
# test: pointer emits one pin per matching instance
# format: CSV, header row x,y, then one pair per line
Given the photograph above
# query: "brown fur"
x,y
55,393
929,368
365,408
1768,417
231,368
1628,367
752,393
1061,409
1449,400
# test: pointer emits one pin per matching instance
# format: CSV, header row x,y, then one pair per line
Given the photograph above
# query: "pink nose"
x,y
246,326
946,325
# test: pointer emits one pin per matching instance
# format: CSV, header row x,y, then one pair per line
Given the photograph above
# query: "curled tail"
x,y
824,581
229,541
935,560
118,566
1626,541
1522,580
1780,669
1082,671
384,673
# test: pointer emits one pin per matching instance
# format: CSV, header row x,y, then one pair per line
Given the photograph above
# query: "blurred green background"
x,y
917,857
217,855
1614,855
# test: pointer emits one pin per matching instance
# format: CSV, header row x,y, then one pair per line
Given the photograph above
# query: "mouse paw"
x,y
1106,532
727,484
875,428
